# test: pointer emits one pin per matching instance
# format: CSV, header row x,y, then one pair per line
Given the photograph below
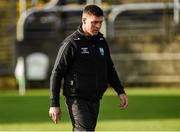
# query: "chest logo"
x,y
84,50
101,51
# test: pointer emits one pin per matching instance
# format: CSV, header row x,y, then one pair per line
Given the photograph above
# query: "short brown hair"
x,y
93,10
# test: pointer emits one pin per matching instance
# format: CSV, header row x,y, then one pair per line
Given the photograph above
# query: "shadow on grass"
x,y
34,109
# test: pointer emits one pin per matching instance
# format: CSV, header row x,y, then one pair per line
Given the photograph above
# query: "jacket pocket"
x,y
70,85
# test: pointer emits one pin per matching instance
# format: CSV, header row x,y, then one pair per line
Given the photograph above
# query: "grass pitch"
x,y
152,109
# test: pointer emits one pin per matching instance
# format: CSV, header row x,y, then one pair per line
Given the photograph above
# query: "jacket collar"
x,y
81,32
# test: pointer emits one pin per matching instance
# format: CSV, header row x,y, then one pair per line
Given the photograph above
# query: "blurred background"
x,y
143,36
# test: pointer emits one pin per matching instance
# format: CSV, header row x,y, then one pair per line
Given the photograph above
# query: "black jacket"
x,y
86,67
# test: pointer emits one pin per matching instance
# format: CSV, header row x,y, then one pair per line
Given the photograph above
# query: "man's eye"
x,y
96,22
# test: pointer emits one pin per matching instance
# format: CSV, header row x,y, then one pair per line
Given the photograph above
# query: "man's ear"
x,y
84,20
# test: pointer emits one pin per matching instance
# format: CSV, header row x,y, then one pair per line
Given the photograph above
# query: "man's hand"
x,y
55,114
124,101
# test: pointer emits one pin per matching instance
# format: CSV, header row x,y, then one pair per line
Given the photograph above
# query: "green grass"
x,y
155,109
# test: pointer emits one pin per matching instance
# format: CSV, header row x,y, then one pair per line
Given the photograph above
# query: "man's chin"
x,y
95,33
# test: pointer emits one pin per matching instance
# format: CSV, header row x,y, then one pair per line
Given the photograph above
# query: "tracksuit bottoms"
x,y
83,113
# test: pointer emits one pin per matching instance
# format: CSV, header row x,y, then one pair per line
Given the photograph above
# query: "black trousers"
x,y
83,113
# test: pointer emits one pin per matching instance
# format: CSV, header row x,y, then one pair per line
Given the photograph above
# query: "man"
x,y
85,64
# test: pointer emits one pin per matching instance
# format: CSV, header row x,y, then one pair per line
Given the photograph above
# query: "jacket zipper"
x,y
96,75
76,80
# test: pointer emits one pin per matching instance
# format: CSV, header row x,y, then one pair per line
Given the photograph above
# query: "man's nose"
x,y
98,25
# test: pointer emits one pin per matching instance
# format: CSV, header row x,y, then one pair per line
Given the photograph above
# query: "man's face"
x,y
92,24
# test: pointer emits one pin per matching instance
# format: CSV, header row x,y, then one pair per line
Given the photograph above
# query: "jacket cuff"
x,y
121,91
54,103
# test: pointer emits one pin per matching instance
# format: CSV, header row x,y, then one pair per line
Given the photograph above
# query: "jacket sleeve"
x,y
113,78
63,61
